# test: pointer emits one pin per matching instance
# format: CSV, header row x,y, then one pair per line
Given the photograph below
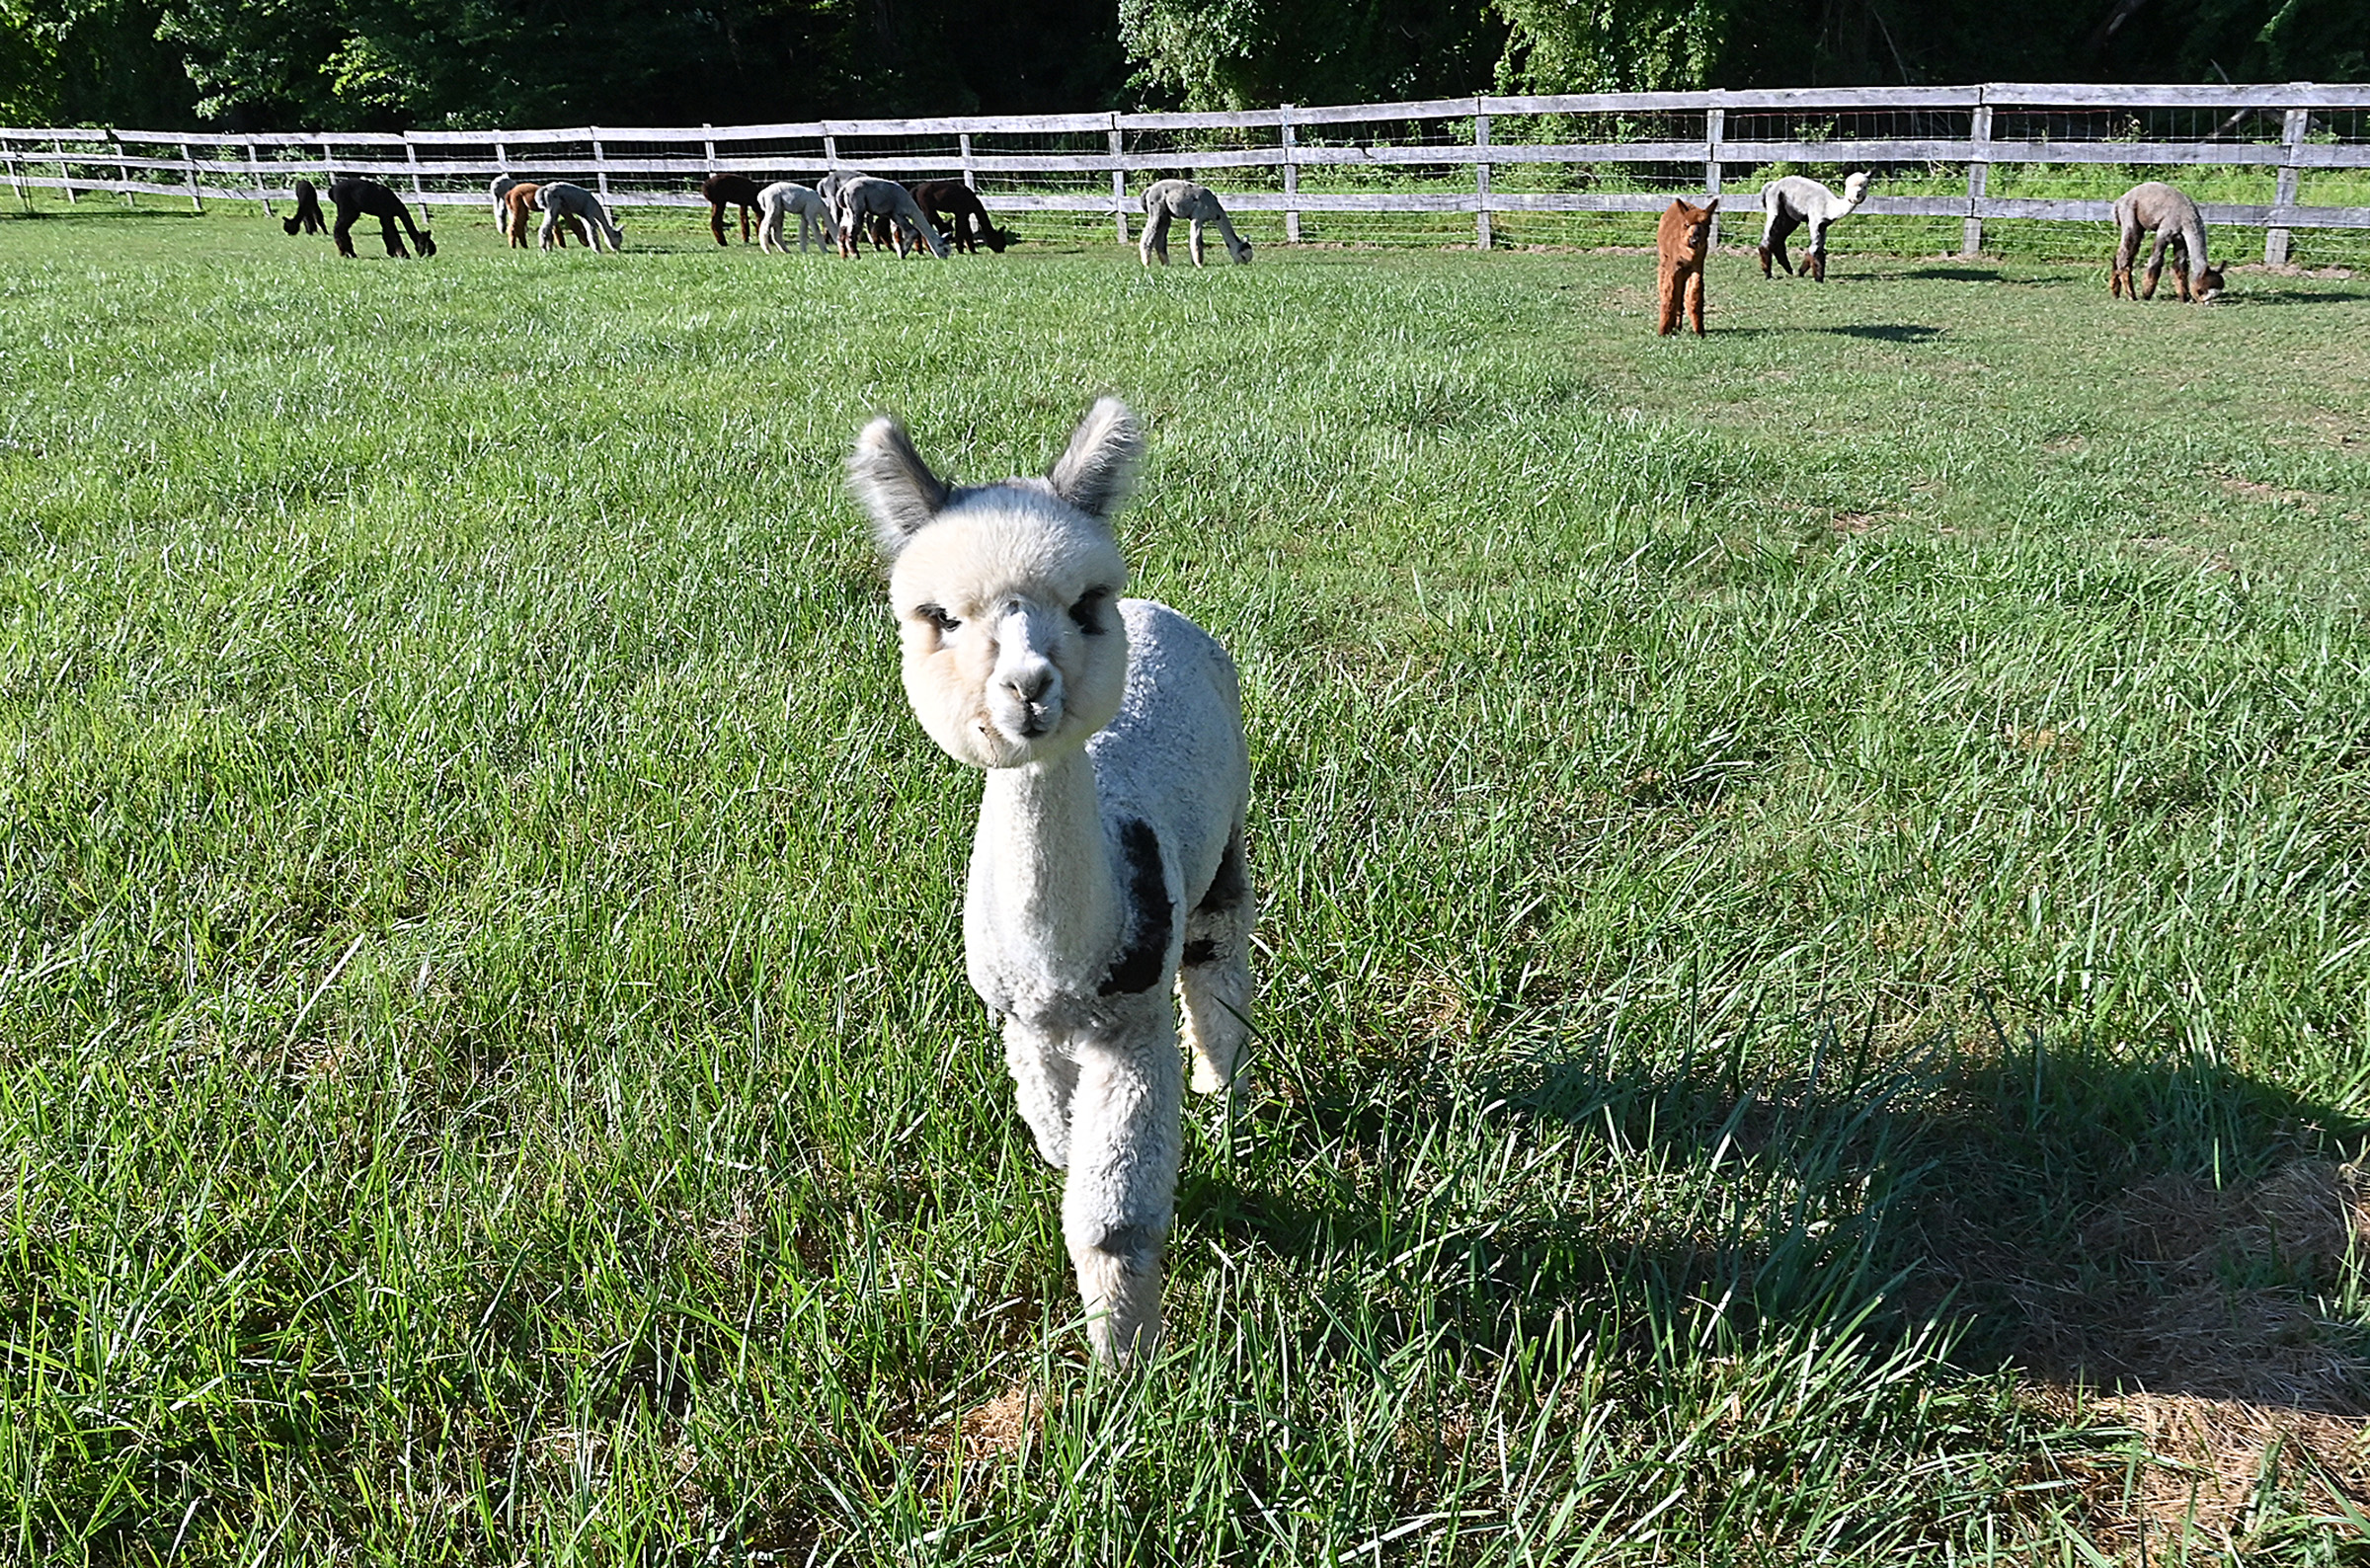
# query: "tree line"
x,y
387,65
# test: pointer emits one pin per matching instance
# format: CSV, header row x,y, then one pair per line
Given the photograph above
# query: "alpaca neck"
x,y
1043,864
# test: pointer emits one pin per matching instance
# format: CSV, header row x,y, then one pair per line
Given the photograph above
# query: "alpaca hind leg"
x,y
1215,990
1123,1182
344,232
1156,238
2156,265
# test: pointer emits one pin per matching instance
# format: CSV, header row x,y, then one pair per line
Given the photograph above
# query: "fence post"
x,y
1979,171
2291,139
263,192
1292,178
122,169
419,192
600,167
710,146
970,173
1119,182
1716,132
15,182
65,174
189,168
1482,233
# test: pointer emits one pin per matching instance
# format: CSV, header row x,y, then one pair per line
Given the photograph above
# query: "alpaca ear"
x,y
1714,205
1099,469
894,484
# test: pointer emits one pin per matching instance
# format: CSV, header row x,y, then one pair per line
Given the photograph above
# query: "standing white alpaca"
x,y
781,198
1166,201
1787,204
1109,861
862,198
560,200
500,190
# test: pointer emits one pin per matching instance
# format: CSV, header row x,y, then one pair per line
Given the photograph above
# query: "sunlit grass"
x,y
1767,843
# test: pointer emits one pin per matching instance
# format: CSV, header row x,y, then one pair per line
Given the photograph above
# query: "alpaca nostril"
x,y
1030,685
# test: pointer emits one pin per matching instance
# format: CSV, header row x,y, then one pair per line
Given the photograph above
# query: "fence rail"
x,y
1457,156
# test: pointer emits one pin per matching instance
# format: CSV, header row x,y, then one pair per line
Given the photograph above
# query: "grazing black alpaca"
x,y
356,198
308,220
720,191
955,207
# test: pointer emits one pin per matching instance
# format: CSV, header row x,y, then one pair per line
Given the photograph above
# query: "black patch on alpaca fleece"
x,y
1199,953
1138,966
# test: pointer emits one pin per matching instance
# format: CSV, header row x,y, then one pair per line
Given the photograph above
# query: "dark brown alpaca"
x,y
956,208
1684,240
308,218
722,190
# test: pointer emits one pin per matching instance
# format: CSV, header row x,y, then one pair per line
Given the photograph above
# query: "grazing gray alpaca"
x,y
1170,199
560,200
1789,203
861,197
1107,866
781,198
2173,218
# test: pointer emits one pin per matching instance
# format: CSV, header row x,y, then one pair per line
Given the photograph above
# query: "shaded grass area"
x,y
1813,914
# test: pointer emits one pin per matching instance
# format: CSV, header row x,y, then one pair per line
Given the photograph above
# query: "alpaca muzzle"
x,y
1025,695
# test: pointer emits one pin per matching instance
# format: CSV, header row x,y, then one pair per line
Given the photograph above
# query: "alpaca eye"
x,y
1088,611
936,615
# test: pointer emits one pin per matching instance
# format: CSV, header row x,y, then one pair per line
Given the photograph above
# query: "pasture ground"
x,y
1816,953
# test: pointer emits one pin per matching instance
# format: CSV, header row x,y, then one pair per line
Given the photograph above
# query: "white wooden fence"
x,y
1625,153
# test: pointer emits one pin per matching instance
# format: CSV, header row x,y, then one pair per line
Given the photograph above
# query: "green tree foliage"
x,y
376,64
383,63
1233,54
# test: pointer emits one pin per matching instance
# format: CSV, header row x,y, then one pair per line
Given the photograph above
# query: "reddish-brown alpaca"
x,y
1684,240
518,202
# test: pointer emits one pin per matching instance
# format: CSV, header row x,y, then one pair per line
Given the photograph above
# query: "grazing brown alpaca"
x,y
519,204
955,207
2173,217
1684,240
308,218
720,191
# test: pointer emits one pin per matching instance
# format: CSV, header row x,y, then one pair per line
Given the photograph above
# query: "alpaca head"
x,y
994,238
1855,188
427,243
1007,595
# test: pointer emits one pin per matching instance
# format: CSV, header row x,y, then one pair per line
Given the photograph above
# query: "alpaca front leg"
x,y
1044,1080
1670,303
1215,990
1122,1184
1695,300
1193,240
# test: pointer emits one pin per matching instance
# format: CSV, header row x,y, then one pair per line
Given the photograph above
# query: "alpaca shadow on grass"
x,y
1956,274
1886,333
2090,1219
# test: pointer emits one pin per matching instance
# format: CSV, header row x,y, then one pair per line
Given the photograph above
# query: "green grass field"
x,y
1816,930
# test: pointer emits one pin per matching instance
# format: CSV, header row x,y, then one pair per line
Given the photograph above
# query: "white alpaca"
x,y
1109,861
559,200
1792,203
500,190
781,198
862,197
1170,199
